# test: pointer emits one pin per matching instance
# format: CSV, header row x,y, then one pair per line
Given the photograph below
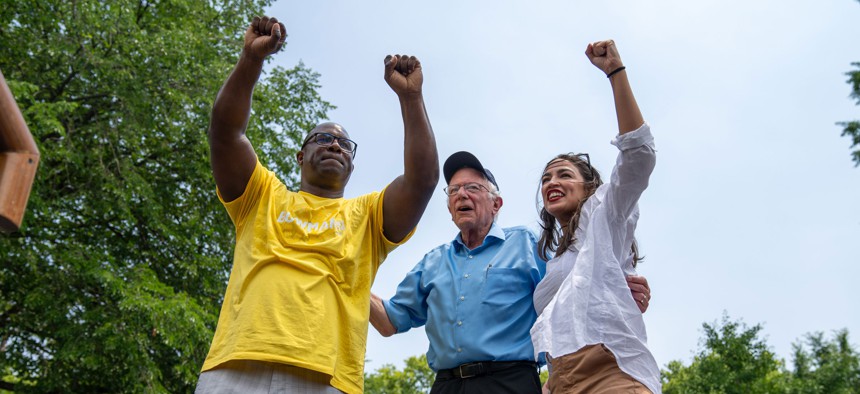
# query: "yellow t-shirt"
x,y
299,290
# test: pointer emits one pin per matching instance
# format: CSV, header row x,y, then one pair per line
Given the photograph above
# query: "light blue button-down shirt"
x,y
476,304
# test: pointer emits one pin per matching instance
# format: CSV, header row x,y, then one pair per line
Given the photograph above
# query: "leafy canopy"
x,y
734,359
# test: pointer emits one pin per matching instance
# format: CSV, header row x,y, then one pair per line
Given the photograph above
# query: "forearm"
x,y
633,167
421,160
379,317
626,108
407,196
232,107
232,156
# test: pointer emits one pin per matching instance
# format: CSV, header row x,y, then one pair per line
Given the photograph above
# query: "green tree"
x,y
827,366
733,360
415,378
852,128
115,282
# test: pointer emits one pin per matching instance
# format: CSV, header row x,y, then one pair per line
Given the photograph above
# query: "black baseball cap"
x,y
463,159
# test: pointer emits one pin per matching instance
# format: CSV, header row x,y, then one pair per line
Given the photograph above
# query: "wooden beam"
x,y
19,158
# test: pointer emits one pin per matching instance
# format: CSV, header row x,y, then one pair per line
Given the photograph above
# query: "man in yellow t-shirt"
x,y
295,314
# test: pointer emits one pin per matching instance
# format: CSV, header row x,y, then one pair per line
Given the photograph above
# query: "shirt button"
x,y
470,256
459,350
462,298
460,323
466,276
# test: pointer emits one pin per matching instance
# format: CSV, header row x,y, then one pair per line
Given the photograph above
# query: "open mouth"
x,y
554,195
465,209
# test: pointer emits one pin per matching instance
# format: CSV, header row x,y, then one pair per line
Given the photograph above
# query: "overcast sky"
x,y
754,206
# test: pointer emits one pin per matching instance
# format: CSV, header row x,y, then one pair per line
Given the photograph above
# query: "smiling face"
x,y
472,212
562,189
325,167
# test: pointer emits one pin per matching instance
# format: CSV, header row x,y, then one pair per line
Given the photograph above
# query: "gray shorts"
x,y
258,377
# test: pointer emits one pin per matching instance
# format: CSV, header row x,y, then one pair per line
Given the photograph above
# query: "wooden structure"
x,y
19,158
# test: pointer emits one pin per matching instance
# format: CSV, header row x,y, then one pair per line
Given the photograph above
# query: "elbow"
x,y
429,179
432,179
387,331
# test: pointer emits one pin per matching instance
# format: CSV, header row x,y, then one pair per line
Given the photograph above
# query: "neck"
x,y
473,238
321,191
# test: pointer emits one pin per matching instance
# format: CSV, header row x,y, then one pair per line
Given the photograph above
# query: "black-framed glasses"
x,y
326,139
471,188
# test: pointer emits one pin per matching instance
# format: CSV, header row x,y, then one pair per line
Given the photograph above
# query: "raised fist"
x,y
403,74
604,55
264,37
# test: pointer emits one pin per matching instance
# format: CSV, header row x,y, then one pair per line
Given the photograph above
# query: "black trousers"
x,y
518,379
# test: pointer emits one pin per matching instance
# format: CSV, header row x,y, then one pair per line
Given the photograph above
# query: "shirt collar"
x,y
495,232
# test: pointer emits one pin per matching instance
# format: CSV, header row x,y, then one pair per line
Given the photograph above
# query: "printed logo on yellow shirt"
x,y
313,227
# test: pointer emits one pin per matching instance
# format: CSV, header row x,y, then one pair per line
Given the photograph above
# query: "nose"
x,y
335,145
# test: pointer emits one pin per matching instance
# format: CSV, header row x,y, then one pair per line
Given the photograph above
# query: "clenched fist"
x,y
403,74
264,37
604,55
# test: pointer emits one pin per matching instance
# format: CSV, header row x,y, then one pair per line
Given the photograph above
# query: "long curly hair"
x,y
560,236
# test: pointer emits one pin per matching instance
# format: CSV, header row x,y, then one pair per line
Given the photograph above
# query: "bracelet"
x,y
615,72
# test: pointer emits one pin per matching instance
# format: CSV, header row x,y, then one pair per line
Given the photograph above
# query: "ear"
x,y
300,157
497,204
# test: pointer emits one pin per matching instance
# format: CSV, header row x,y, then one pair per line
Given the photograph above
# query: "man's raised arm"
x,y
231,154
407,196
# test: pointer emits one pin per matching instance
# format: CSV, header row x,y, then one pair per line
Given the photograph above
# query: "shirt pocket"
x,y
505,286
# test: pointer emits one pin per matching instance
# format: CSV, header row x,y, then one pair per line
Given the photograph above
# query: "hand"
x,y
604,55
403,74
641,292
264,37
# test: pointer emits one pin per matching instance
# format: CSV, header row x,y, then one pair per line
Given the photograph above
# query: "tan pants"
x,y
592,370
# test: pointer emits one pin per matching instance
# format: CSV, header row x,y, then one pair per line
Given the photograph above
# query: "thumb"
x,y
390,63
275,37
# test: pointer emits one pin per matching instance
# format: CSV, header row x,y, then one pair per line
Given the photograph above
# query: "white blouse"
x,y
593,303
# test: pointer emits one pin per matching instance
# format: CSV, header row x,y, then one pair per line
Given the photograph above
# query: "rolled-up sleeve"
x,y
408,307
633,166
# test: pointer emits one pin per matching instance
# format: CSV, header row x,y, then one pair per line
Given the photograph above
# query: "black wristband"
x,y
615,72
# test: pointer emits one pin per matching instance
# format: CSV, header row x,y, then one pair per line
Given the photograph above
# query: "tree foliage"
x,y
826,366
115,281
734,359
415,378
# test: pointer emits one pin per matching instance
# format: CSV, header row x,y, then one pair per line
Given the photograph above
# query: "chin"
x,y
556,214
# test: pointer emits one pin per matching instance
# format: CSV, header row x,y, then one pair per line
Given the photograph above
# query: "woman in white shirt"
x,y
588,324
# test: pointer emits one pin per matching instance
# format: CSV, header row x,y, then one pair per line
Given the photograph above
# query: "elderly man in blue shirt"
x,y
474,294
